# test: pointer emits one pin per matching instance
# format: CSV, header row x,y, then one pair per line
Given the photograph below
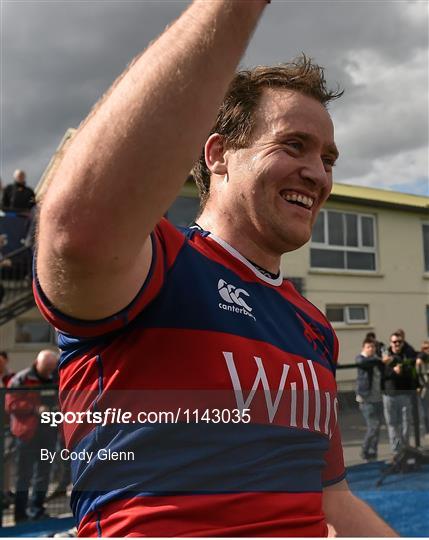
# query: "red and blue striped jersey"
x,y
207,335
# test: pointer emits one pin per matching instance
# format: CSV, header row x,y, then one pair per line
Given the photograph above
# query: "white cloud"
x,y
401,172
383,132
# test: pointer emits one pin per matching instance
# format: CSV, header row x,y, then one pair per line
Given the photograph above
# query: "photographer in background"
x,y
368,394
400,383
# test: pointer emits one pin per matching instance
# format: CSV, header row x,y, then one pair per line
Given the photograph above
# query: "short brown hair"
x,y
235,119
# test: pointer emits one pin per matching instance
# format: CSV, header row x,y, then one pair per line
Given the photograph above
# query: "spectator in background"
x,y
399,385
368,395
18,197
31,435
422,368
379,345
408,349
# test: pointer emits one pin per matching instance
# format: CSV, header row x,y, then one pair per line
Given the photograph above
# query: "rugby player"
x,y
140,305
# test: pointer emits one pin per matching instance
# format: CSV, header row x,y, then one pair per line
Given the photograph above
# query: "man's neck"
x,y
242,242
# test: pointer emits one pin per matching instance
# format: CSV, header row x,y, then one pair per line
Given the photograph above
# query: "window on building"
x,y
183,211
347,314
426,245
34,332
343,241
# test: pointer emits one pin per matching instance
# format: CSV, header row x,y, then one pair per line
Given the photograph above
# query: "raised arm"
x,y
130,157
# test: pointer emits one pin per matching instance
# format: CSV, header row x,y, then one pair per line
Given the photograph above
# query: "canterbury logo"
x,y
234,299
232,295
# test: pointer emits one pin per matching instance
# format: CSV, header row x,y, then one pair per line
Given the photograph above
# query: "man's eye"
x,y
296,145
328,162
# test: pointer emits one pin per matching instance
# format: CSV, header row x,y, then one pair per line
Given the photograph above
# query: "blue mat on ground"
x,y
42,528
402,500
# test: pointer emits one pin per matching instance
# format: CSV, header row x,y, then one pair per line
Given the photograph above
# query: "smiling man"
x,y
196,329
262,185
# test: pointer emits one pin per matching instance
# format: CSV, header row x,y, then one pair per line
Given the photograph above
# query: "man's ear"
x,y
214,153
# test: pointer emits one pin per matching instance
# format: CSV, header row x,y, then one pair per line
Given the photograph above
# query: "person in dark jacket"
x,y
400,382
369,396
31,435
18,197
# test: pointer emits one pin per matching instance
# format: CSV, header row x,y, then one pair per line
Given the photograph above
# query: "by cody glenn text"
x,y
103,454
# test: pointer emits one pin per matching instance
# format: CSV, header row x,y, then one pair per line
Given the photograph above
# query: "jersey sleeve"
x,y
166,244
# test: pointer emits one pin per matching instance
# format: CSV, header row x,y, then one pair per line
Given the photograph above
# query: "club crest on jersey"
x,y
314,336
234,299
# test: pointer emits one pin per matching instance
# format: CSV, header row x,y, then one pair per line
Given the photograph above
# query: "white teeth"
x,y
294,197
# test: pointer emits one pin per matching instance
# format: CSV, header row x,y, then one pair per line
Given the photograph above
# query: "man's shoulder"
x,y
409,351
21,377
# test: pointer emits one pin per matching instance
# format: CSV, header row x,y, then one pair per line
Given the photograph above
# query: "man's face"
x,y
369,349
19,177
396,343
278,184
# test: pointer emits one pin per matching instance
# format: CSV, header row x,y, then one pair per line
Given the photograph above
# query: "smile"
x,y
298,199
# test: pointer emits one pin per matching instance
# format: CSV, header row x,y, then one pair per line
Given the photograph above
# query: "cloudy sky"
x,y
59,56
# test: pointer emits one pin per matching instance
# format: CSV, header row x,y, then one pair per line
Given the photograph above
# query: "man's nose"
x,y
315,172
